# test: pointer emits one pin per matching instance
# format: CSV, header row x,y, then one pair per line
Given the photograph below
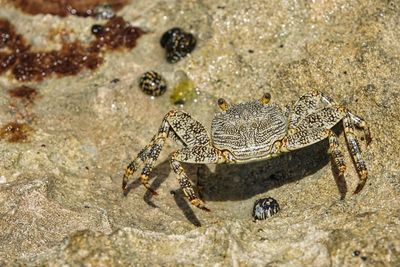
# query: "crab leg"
x,y
148,155
153,155
134,165
360,123
355,153
137,162
315,111
179,126
301,138
196,154
336,153
307,105
143,155
313,102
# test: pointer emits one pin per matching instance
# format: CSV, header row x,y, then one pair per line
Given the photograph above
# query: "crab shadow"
x,y
160,174
244,181
234,182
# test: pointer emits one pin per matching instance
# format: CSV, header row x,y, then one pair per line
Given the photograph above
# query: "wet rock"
x,y
62,203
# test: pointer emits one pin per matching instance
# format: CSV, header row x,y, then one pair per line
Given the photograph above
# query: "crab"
x,y
250,131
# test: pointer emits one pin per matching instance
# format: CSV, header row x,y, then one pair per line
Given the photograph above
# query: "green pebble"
x,y
183,91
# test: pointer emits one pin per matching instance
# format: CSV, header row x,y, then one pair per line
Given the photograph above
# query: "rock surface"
x,y
61,201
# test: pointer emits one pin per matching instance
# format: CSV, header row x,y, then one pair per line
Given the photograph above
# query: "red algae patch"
x,y
24,93
15,132
22,100
65,7
10,45
6,61
9,38
116,33
26,65
70,60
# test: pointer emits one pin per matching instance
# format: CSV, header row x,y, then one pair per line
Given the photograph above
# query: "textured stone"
x,y
60,197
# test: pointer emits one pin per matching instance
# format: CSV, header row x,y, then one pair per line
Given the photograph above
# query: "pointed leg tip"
x,y
152,191
205,209
125,191
368,140
356,192
359,187
199,204
125,187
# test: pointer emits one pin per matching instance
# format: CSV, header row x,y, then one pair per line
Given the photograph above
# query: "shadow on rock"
x,y
243,181
160,173
185,207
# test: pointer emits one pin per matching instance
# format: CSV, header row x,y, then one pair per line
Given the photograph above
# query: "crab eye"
x,y
265,98
223,105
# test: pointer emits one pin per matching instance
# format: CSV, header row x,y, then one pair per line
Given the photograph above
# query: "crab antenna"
x,y
265,98
223,105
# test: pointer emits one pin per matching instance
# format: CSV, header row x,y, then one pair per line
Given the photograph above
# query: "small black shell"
x,y
97,29
169,35
265,208
153,83
177,44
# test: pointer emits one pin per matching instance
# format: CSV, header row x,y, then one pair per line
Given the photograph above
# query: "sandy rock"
x,y
61,201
